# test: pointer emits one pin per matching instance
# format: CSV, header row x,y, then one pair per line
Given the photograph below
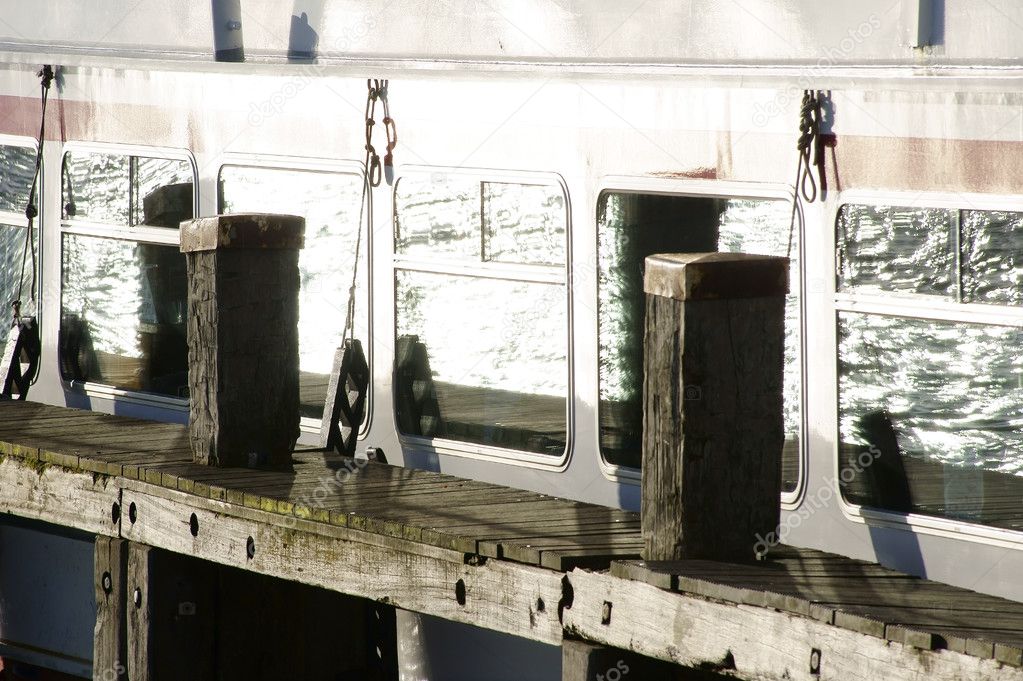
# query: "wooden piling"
x,y
109,654
243,285
712,426
171,616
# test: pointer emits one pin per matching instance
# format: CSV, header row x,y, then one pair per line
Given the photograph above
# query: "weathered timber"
x,y
110,639
750,642
582,661
499,595
713,429
171,616
291,631
408,538
851,594
41,491
243,284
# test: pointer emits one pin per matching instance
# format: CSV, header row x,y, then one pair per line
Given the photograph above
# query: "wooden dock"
x,y
547,569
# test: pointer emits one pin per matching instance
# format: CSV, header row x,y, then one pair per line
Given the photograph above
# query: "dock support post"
x,y
713,427
243,286
171,616
110,640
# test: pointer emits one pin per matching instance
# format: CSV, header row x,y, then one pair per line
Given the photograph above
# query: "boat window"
x,y
124,290
481,312
897,250
128,190
632,226
17,166
931,411
330,203
459,218
992,257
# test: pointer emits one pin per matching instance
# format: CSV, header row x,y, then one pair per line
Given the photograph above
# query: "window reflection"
x,y
942,404
482,360
899,250
124,300
439,216
455,217
523,223
123,315
12,245
992,260
126,190
633,226
17,167
330,203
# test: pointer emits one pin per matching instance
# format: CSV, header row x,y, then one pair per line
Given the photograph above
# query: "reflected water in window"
x,y
438,216
992,257
482,360
931,417
534,236
17,167
12,250
454,217
124,300
330,204
897,250
633,226
123,315
482,355
119,189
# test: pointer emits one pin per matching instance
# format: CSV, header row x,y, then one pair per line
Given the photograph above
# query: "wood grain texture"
x,y
407,538
110,636
713,429
582,661
40,491
749,642
171,616
243,356
498,595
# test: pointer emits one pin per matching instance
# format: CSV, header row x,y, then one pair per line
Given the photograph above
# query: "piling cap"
x,y
716,276
243,230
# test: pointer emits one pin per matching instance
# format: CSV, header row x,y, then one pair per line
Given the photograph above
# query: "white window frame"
x,y
308,425
917,306
19,219
138,234
710,189
543,274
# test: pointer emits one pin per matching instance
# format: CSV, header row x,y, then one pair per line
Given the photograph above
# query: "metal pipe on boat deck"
x,y
228,43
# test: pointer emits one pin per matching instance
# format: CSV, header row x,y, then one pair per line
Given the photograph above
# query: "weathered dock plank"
x,y
496,595
496,557
851,594
751,642
41,491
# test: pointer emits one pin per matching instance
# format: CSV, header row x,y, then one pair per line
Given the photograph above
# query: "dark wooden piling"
x,y
243,285
712,427
110,639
